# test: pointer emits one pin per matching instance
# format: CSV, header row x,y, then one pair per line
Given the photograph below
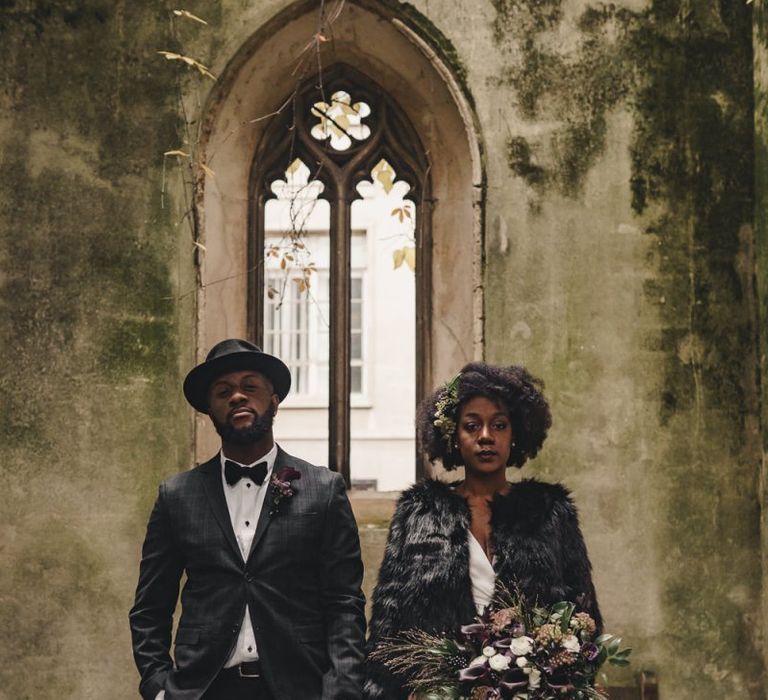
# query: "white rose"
x,y
521,646
499,662
571,643
521,662
534,678
478,661
488,651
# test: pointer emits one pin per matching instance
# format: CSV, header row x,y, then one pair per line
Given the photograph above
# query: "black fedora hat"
x,y
232,355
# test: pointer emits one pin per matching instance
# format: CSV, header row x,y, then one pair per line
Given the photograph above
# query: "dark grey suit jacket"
x,y
301,581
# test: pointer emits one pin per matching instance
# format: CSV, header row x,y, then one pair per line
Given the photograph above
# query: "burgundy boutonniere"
x,y
282,487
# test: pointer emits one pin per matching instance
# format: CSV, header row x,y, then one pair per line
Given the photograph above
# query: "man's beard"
x,y
246,436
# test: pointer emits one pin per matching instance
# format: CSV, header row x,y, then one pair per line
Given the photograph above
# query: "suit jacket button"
x,y
249,578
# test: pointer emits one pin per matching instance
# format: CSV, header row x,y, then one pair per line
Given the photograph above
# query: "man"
x,y
272,607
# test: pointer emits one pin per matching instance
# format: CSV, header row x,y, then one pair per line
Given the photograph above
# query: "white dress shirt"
x,y
244,503
481,574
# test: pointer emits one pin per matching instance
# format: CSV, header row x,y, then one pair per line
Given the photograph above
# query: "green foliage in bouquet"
x,y
514,651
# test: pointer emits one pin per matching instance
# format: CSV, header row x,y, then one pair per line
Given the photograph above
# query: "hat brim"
x,y
200,378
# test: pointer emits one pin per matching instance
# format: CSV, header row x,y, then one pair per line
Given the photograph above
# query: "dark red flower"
x,y
281,487
474,674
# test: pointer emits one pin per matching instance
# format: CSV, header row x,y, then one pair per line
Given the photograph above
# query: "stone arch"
x,y
412,71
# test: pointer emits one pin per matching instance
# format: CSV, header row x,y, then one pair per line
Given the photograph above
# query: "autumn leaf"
x,y
398,256
200,245
410,257
342,122
384,173
189,61
177,152
207,170
189,15
283,264
398,212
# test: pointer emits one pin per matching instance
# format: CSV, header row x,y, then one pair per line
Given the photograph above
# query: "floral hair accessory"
x,y
445,407
282,487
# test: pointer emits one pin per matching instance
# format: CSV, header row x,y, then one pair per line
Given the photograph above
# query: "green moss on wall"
x,y
428,30
573,89
521,162
91,414
57,594
618,52
683,73
692,155
761,193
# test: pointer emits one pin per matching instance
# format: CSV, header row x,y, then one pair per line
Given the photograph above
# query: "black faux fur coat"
x,y
424,579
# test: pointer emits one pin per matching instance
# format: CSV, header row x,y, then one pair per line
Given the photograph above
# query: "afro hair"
x,y
514,388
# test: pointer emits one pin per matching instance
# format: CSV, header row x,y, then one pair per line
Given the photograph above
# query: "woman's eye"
x,y
501,426
469,427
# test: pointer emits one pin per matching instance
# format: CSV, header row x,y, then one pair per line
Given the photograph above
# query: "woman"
x,y
449,546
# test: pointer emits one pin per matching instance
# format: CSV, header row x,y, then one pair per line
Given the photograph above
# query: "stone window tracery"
x,y
316,165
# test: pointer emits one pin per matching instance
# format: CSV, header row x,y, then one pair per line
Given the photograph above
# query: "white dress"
x,y
481,574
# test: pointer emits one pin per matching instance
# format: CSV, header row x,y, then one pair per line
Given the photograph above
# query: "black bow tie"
x,y
233,472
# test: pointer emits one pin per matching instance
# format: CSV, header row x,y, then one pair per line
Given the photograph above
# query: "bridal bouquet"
x,y
514,651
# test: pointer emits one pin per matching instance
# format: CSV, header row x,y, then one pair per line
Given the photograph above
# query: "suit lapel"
x,y
215,492
264,517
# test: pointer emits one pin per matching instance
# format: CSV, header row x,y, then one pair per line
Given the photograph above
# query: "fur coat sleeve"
x,y
424,578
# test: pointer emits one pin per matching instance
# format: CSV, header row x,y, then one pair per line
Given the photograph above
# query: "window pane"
x,y
357,380
341,120
357,315
296,259
356,351
383,308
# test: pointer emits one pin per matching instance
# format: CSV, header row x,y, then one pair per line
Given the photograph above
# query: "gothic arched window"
x,y
340,185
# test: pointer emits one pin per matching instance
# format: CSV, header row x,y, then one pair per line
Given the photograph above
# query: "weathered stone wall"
x,y
627,283
619,266
760,45
92,335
